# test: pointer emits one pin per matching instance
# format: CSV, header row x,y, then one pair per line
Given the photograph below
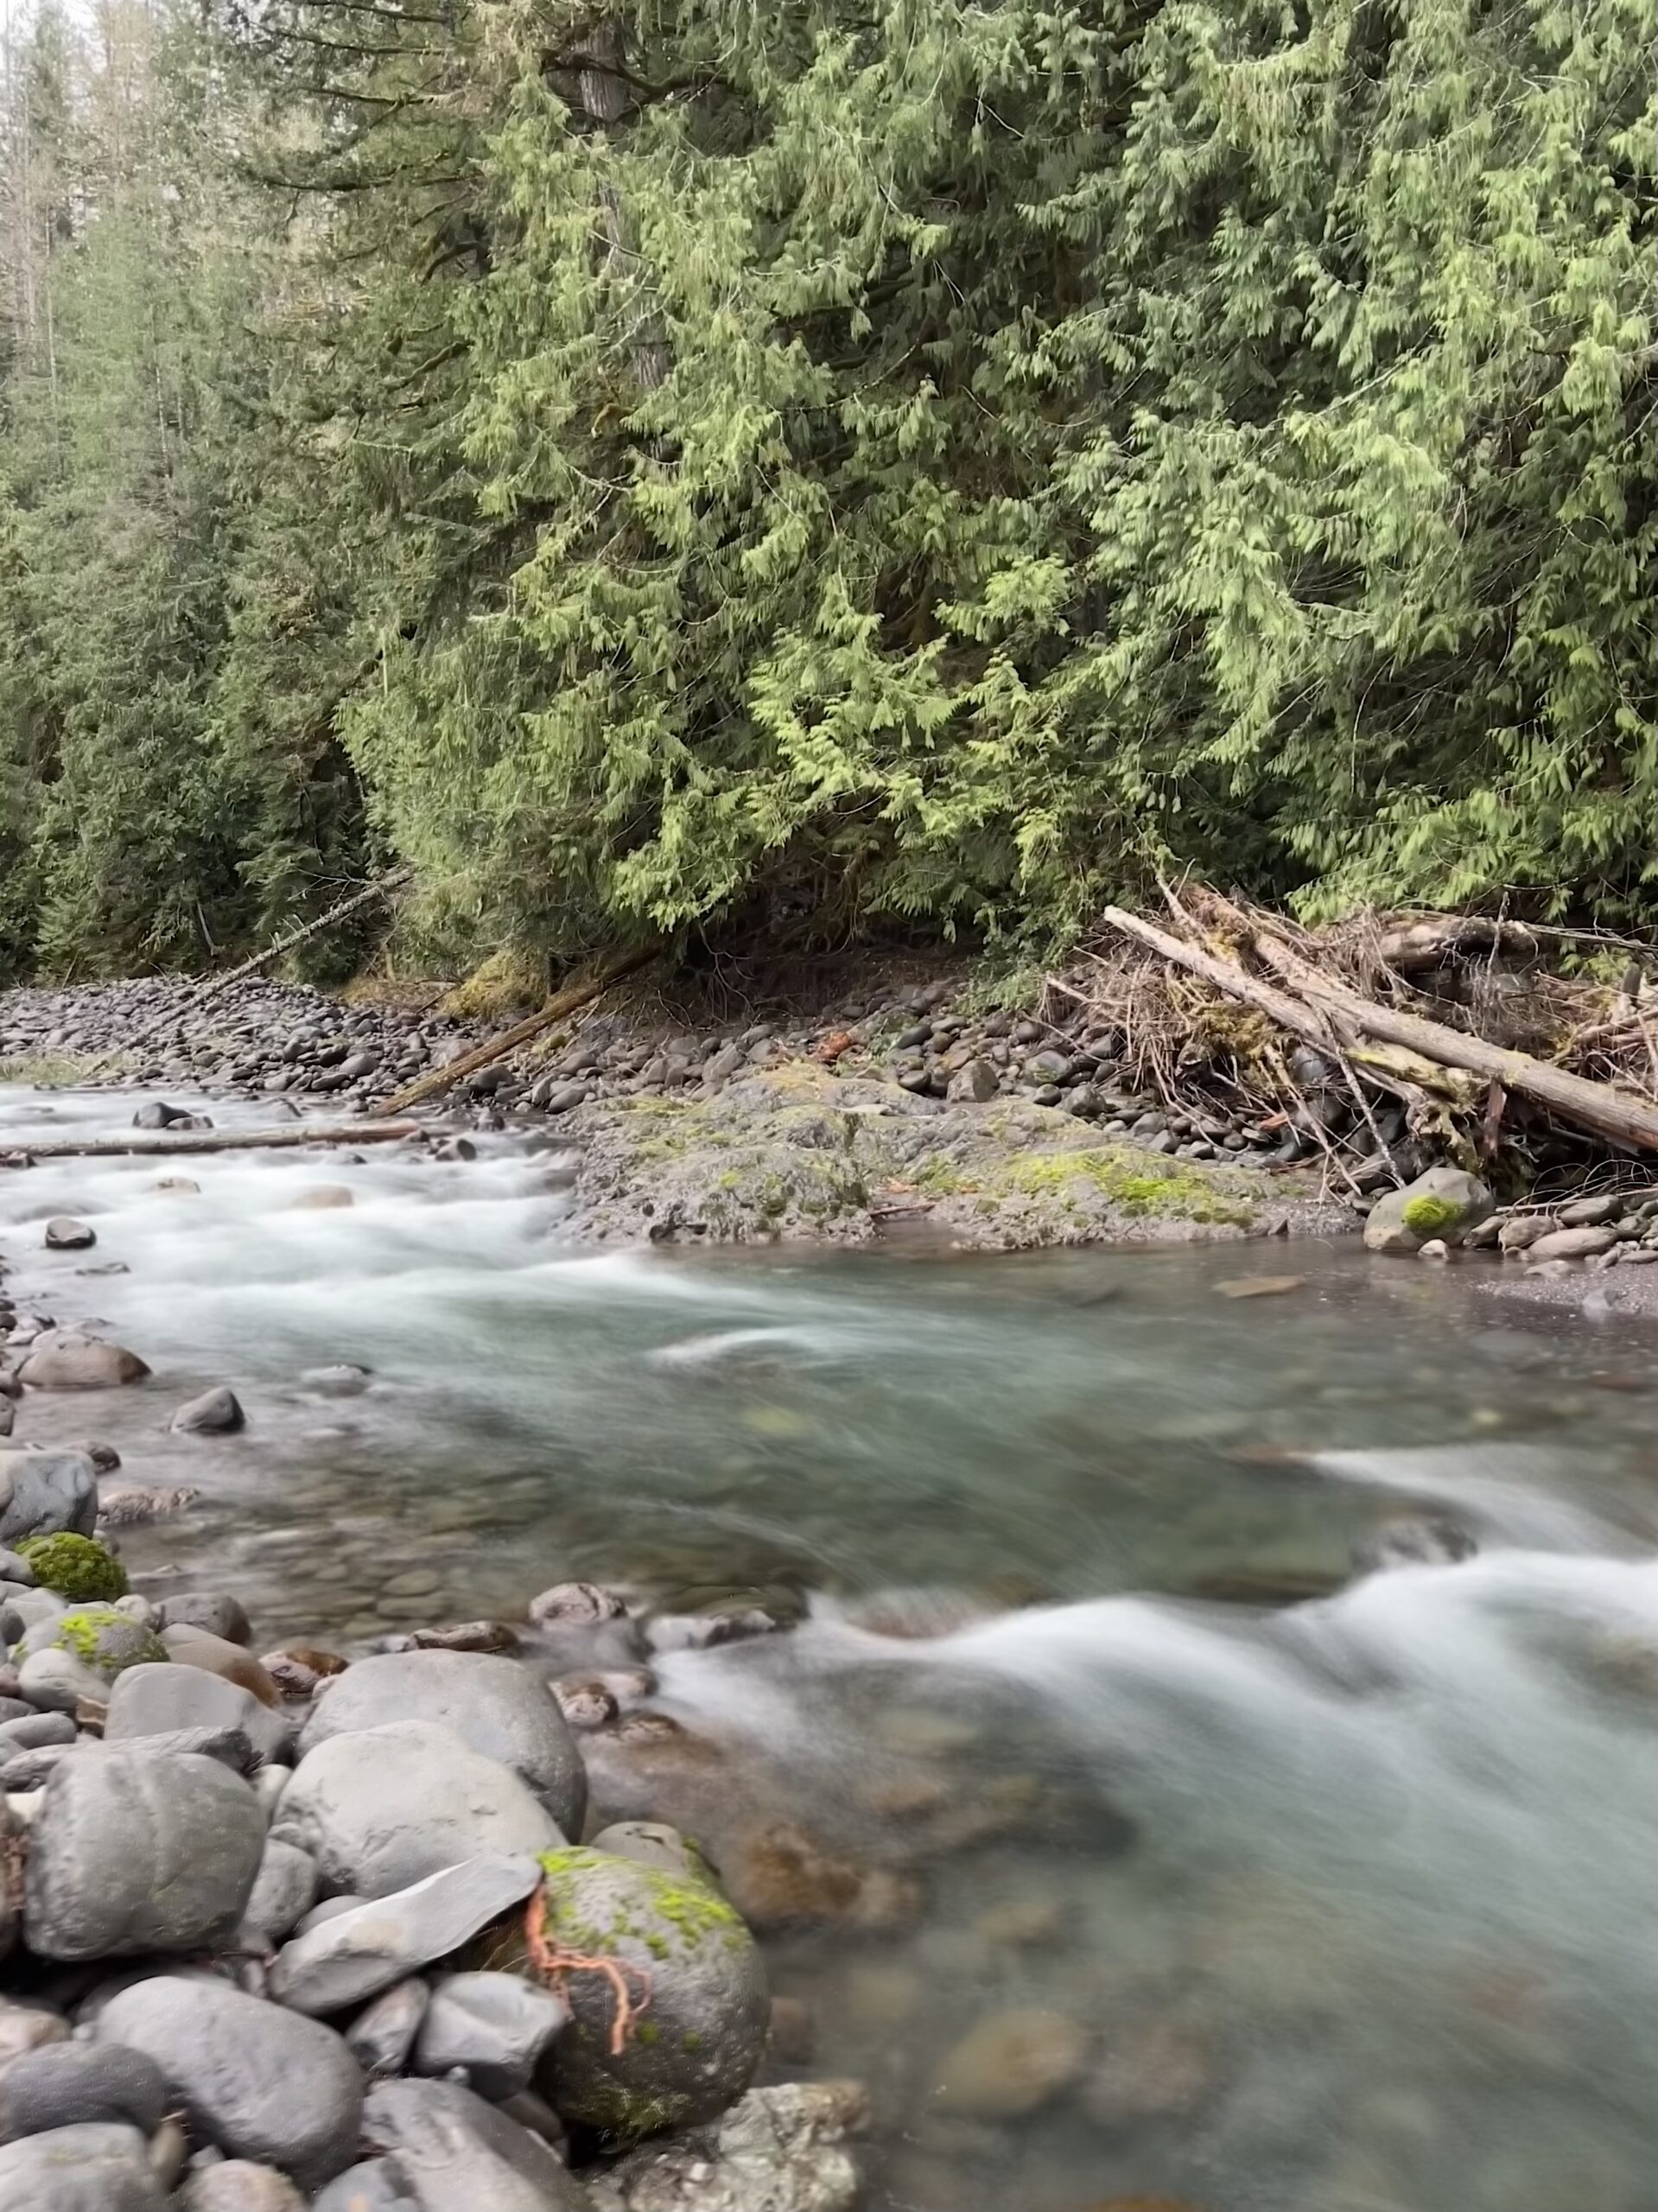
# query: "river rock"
x,y
130,1854
284,1891
375,2185
36,1730
381,1808
64,1234
27,2027
1521,1230
215,1413
495,2026
351,1955
1591,1213
256,2080
973,1085
1443,1203
195,1647
213,1611
1011,2065
382,2036
575,1604
777,2150
1433,1540
709,2008
454,2152
653,1843
239,2185
86,1647
66,2084
66,1360
90,2168
43,1493
494,1704
157,1700
1572,1243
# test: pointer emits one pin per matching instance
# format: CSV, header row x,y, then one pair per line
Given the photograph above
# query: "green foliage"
x,y
684,467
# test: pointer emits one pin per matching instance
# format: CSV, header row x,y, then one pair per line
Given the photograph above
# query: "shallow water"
x,y
1340,1908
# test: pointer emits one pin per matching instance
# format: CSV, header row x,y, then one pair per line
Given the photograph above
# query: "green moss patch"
x,y
1428,1215
1140,1184
76,1567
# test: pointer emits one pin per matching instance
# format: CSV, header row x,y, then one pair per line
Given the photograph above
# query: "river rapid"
x,y
1145,1887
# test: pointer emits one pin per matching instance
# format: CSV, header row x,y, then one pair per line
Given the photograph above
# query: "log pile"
x,y
1390,1040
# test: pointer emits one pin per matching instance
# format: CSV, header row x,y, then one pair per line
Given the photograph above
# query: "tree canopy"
x,y
930,462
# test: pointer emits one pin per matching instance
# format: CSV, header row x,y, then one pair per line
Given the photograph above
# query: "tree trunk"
x,y
165,1144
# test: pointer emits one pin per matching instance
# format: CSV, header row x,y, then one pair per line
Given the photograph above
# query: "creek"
x,y
1341,1905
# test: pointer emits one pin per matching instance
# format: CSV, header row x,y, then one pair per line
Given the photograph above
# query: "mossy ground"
x,y
1135,1182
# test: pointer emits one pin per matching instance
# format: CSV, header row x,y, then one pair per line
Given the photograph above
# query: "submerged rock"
x,y
64,1234
696,2047
778,2150
1011,2065
215,1413
256,2080
1433,1540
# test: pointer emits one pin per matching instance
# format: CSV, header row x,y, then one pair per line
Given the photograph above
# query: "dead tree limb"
x,y
168,1144
1600,1108
557,1008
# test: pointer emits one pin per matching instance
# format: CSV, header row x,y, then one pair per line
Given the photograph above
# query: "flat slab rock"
x,y
796,1152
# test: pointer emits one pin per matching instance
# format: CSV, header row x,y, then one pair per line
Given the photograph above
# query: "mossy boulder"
x,y
77,1567
1445,1202
99,1637
694,2045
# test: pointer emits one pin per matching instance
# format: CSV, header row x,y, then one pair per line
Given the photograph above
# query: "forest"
x,y
861,464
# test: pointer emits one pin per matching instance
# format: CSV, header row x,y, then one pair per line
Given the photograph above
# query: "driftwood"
x,y
1334,1017
557,1008
382,888
167,1144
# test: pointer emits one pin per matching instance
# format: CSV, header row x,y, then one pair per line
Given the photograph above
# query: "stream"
x,y
1167,1894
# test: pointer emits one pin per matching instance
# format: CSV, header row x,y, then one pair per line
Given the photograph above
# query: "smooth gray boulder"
x,y
710,2009
155,1700
131,1854
215,1413
381,1809
72,2084
216,1612
455,2153
254,2079
239,2185
66,1359
382,2036
352,1955
91,2169
283,1893
494,1704
496,2026
42,1493
1444,1202
102,1639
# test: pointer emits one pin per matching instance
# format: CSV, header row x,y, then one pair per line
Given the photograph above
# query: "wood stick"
x,y
167,1144
1600,1108
557,1008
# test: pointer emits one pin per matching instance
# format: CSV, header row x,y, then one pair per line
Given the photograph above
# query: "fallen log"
x,y
557,1008
167,1144
1335,1018
1602,1109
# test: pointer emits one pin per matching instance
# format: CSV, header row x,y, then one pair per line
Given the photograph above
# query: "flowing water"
x,y
1347,1905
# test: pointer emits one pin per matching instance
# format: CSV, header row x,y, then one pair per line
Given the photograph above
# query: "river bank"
x,y
953,1815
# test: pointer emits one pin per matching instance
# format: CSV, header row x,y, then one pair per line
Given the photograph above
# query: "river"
x,y
1347,1905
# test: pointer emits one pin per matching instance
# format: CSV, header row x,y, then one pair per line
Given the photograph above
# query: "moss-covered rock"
x,y
700,2031
1445,1202
77,1567
99,1637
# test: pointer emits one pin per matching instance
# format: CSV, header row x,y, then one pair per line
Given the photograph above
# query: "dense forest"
x,y
916,462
